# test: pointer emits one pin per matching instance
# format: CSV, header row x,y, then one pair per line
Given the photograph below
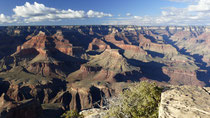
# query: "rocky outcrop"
x,y
113,60
185,102
93,113
22,109
41,42
80,98
98,44
62,44
105,67
47,55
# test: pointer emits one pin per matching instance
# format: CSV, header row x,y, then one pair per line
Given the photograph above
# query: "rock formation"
x,y
76,66
185,102
22,109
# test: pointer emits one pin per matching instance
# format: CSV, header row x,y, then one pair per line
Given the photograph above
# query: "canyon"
x,y
58,68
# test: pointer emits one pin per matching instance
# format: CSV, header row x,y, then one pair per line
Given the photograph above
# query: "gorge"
x,y
57,68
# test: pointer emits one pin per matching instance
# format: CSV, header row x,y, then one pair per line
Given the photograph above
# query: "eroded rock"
x,y
185,102
22,109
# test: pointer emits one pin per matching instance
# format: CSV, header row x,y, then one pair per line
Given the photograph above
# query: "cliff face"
x,y
70,97
76,66
185,102
22,109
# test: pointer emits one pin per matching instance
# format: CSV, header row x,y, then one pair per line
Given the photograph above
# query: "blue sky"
x,y
105,12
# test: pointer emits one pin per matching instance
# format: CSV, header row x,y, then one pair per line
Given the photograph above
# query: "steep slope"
x,y
46,55
105,67
112,60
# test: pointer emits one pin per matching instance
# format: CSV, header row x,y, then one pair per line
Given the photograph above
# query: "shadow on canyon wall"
x,y
150,70
201,75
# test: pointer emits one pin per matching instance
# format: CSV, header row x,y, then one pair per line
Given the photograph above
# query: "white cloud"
x,y
128,14
137,17
5,19
194,14
92,13
39,12
203,5
35,9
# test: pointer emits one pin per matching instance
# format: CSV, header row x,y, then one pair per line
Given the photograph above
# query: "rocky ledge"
x,y
176,102
185,102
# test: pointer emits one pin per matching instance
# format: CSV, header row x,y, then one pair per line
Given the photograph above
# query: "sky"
x,y
105,12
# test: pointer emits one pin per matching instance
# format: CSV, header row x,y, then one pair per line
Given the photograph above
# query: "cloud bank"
x,y
196,13
5,19
39,12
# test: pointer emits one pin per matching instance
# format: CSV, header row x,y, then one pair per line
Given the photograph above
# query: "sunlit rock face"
x,y
184,102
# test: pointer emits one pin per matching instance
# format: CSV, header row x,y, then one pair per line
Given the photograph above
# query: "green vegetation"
x,y
71,114
139,101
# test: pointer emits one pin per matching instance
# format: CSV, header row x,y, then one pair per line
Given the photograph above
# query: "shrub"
x,y
139,101
71,114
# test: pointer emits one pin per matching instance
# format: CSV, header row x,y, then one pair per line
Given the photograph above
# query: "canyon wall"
x,y
77,66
